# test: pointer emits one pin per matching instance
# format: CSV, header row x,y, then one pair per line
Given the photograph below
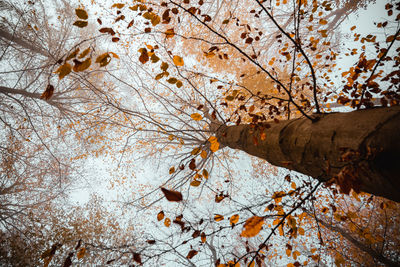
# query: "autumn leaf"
x,y
178,61
82,14
103,60
84,53
169,33
107,30
80,23
171,170
203,237
234,219
172,195
214,143
137,258
195,151
167,222
73,54
191,254
218,217
196,117
252,226
48,93
81,66
205,174
63,70
203,154
195,183
192,164
81,253
118,5
160,215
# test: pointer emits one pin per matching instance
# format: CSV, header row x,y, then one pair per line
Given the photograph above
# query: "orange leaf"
x,y
195,183
118,5
252,226
203,154
167,222
191,254
170,33
234,219
203,237
205,174
160,215
171,170
196,117
218,217
81,253
178,61
171,195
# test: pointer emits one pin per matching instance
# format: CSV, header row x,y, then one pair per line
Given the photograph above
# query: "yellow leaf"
x,y
205,173
218,217
81,253
293,185
296,254
171,170
203,154
196,116
288,252
195,183
160,215
63,70
82,14
252,226
234,219
167,222
290,265
178,61
323,21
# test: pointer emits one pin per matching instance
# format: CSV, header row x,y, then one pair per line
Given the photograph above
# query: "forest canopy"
x,y
199,133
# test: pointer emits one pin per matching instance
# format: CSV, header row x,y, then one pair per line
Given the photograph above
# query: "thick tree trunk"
x,y
360,148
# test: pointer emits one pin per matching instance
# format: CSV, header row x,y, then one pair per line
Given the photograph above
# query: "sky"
x,y
99,173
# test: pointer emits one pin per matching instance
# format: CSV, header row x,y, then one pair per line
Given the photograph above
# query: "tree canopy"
x,y
235,133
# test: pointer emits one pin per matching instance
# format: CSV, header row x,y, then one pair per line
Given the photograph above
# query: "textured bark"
x,y
317,148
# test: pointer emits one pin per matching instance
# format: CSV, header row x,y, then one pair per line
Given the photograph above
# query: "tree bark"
x,y
359,148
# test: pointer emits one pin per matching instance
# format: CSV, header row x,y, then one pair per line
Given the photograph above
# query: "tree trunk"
x,y
361,149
